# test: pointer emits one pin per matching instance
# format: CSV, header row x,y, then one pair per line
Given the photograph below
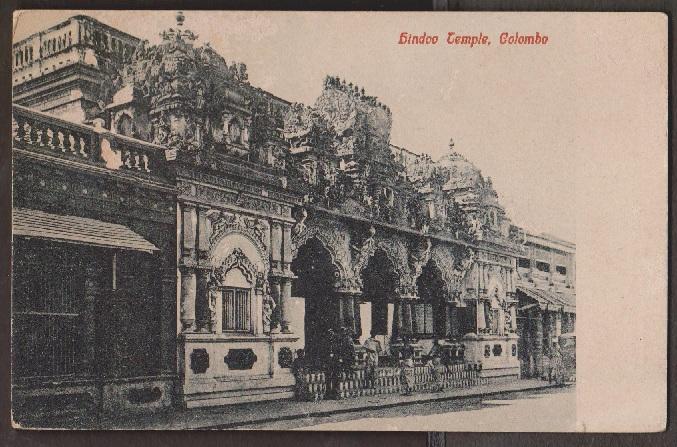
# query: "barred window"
x,y
48,298
423,319
236,310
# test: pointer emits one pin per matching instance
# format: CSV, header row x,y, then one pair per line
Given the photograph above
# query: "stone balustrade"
x,y
315,386
42,133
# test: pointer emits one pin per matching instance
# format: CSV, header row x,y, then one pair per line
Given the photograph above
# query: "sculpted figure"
x,y
268,310
300,225
364,251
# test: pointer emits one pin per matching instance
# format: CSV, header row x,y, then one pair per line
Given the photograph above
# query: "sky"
x,y
514,111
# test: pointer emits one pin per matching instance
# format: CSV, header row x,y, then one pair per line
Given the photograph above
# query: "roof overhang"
x,y
549,299
77,230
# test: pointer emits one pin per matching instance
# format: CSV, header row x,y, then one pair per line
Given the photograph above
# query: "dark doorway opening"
x,y
315,283
379,283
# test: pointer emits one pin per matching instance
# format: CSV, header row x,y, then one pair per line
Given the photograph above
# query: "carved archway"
x,y
223,224
333,238
380,282
316,277
455,264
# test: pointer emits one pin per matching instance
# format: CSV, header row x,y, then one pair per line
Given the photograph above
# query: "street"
x,y
543,410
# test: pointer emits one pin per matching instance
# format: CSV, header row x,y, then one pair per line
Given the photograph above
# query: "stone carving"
x,y
240,359
214,296
333,237
454,269
268,312
284,357
464,265
419,255
199,361
236,259
363,251
224,222
475,228
300,225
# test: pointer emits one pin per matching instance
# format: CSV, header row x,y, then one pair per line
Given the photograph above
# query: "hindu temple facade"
x,y
194,231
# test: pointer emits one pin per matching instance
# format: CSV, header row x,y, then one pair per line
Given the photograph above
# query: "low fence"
x,y
387,380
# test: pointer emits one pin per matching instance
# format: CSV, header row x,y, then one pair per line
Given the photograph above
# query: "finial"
x,y
180,18
451,145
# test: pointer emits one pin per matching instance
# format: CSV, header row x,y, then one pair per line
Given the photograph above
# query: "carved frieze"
x,y
333,236
223,222
206,194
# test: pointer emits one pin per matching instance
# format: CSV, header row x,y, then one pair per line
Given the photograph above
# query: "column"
x,y
358,320
276,294
481,318
558,324
418,318
397,320
346,311
203,311
285,305
276,245
188,291
407,328
189,222
286,248
448,316
513,317
202,233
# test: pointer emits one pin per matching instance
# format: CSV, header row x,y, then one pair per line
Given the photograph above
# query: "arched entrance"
x,y
379,284
431,314
315,283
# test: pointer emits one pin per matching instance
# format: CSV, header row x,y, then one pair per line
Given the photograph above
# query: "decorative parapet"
x,y
44,134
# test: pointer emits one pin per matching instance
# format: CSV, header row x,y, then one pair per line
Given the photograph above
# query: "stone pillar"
x,y
202,233
449,312
203,315
513,317
276,294
276,246
189,230
358,320
188,292
558,324
286,248
407,327
397,320
481,318
285,305
347,311
418,317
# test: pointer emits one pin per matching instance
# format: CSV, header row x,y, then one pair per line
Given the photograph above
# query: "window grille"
x,y
236,310
47,306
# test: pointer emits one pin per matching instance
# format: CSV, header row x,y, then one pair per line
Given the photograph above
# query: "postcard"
x,y
339,221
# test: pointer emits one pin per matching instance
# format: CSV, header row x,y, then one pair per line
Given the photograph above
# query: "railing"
x,y
315,385
46,134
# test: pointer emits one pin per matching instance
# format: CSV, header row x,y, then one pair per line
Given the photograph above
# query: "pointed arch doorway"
x,y
315,280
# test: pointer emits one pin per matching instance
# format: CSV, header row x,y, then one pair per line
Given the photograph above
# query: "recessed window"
x,y
543,266
523,263
236,309
561,270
